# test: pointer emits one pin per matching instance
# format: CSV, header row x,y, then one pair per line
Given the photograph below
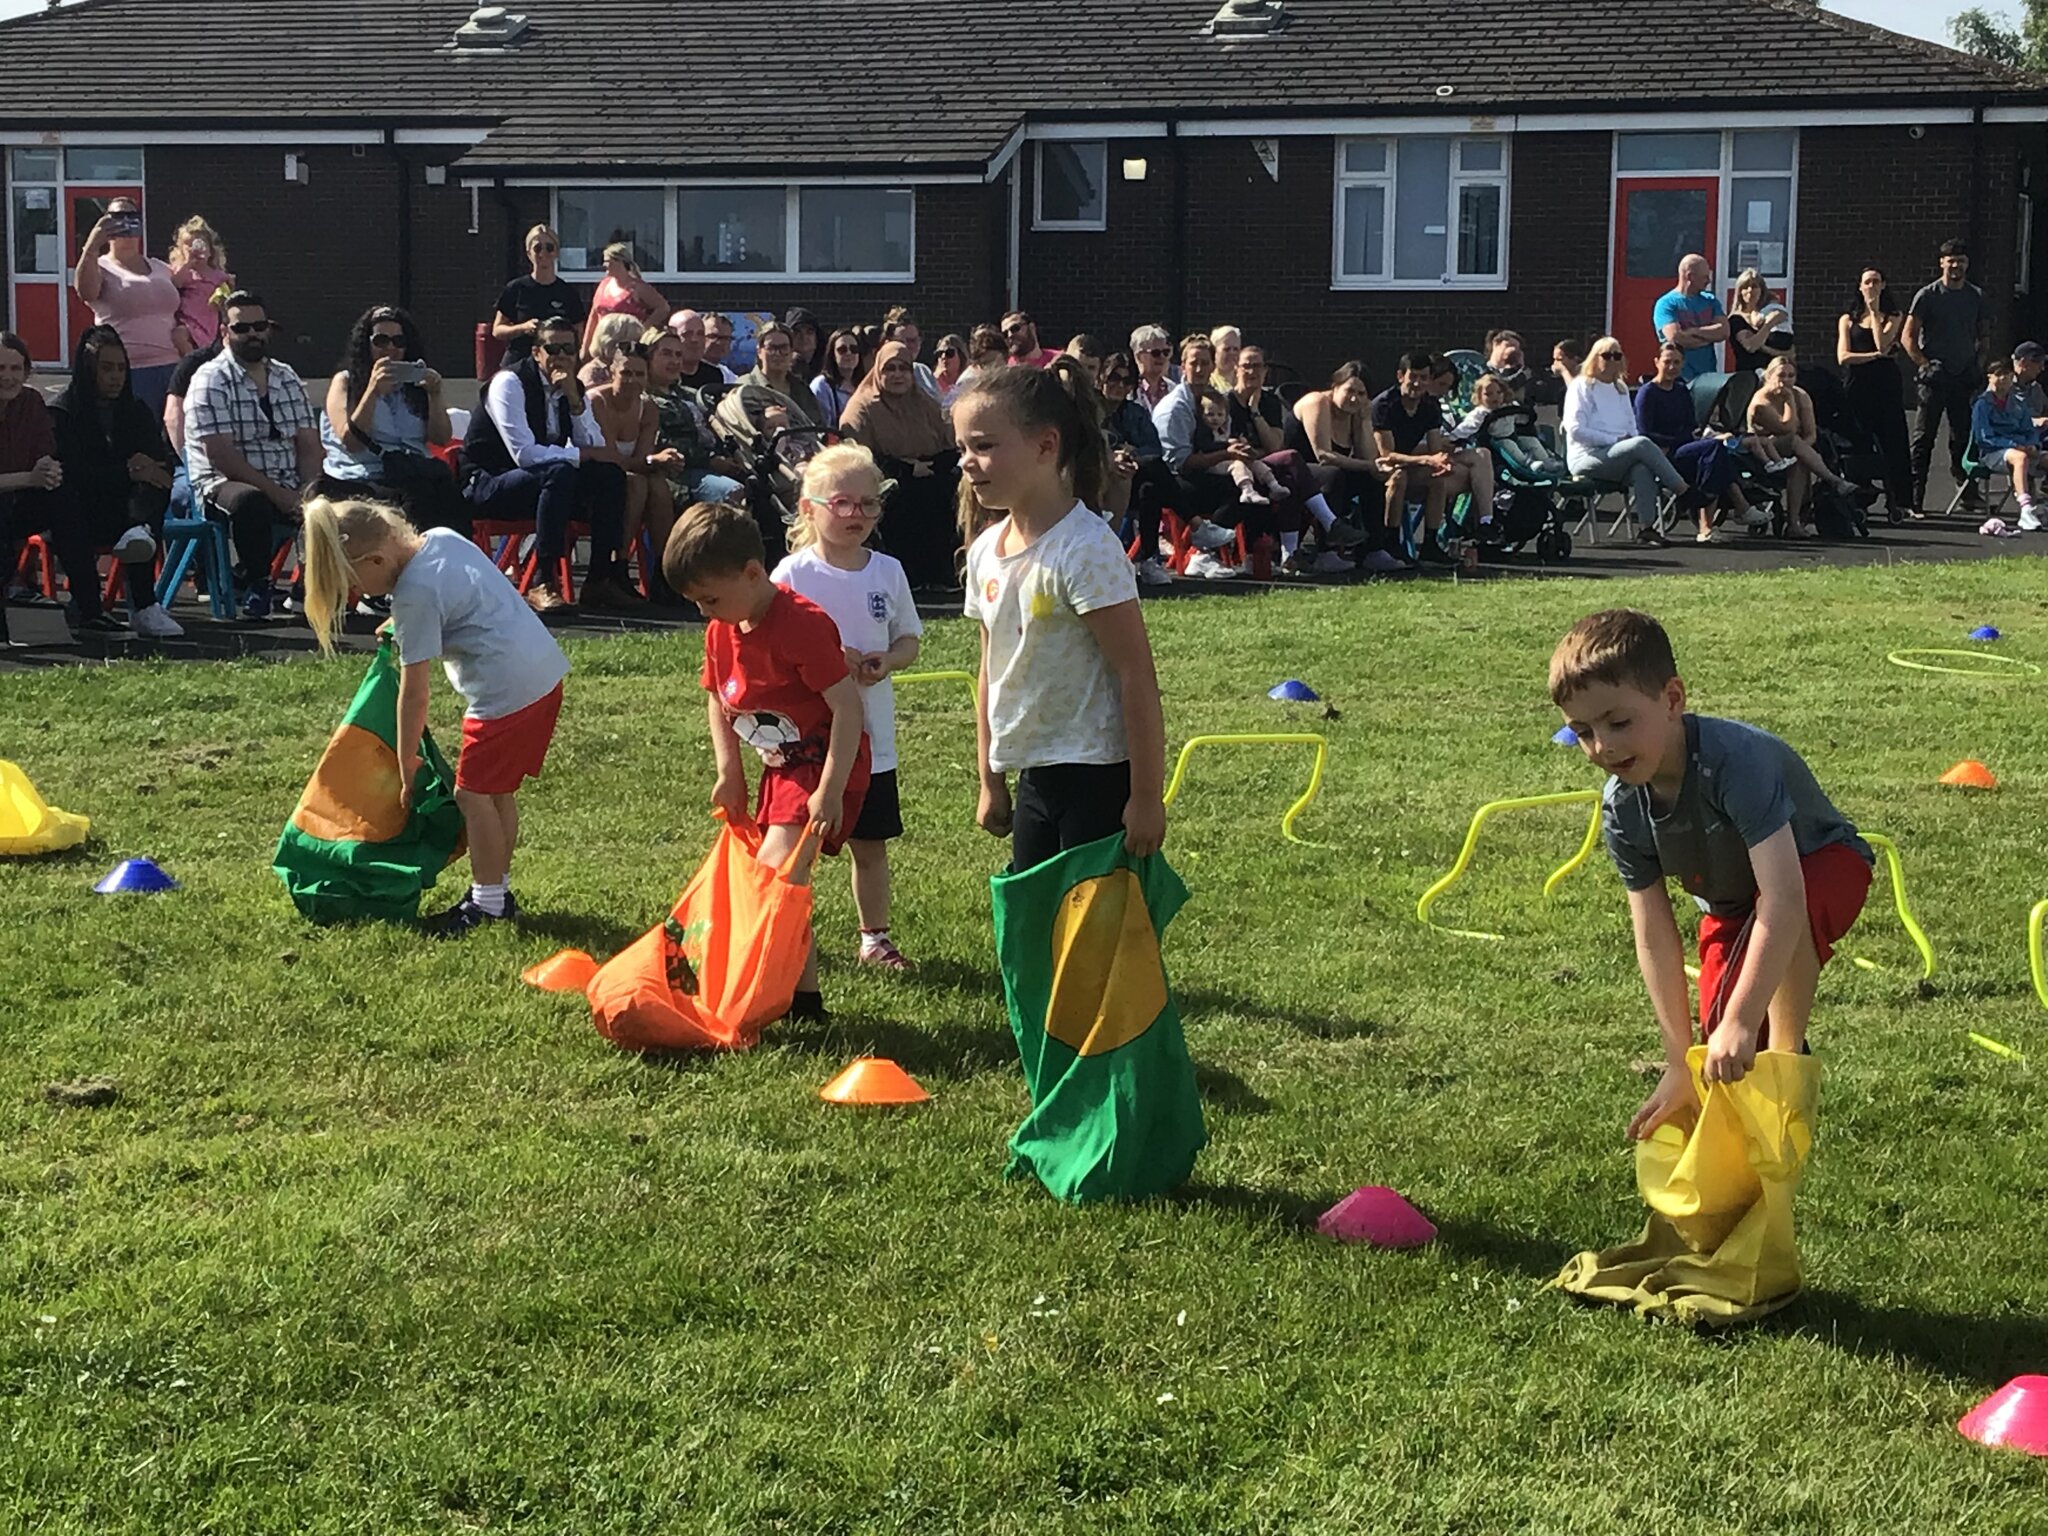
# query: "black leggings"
x,y
105,515
252,523
422,488
43,512
1066,805
919,526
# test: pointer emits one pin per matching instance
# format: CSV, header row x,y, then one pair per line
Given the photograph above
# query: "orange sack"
x,y
726,961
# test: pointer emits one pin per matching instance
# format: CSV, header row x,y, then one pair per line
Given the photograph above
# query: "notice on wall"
x,y
47,259
35,197
1772,260
1750,253
1759,218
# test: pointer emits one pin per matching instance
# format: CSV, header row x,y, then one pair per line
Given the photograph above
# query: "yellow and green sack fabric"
x,y
1719,1246
1114,1111
351,851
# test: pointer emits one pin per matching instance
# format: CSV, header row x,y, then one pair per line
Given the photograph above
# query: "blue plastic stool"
x,y
188,535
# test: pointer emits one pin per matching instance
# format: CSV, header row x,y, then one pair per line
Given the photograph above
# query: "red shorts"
x,y
785,798
498,754
1837,881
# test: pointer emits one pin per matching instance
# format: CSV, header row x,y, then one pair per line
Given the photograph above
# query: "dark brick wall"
x,y
1879,197
1106,282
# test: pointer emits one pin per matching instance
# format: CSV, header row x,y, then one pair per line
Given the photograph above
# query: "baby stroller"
x,y
774,450
1525,499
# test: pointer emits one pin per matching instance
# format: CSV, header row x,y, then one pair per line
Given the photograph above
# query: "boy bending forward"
x,y
1733,815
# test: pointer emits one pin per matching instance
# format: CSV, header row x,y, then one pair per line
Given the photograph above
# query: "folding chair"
x,y
1983,474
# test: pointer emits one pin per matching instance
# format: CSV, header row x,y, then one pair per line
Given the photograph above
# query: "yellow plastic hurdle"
x,y
1479,819
2035,961
1257,739
1890,850
935,677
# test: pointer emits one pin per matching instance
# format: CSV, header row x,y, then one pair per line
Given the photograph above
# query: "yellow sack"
x,y
28,823
1719,1246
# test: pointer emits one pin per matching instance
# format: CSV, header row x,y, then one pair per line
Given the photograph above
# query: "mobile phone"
x,y
410,370
125,226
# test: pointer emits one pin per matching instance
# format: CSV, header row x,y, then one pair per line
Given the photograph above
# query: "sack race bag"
x,y
726,961
29,824
351,850
1114,1110
1719,1246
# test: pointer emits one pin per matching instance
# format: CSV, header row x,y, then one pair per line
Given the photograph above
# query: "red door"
x,y
82,209
1658,220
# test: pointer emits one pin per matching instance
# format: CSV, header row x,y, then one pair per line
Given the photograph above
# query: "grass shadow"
x,y
1522,1253
1987,1350
1225,1090
956,1052
579,930
1286,1208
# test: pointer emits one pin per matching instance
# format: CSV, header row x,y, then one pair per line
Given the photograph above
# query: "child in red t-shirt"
x,y
777,679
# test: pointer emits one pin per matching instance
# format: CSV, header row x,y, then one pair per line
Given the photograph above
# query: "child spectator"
x,y
868,597
2002,426
448,604
1495,414
1257,485
1733,815
777,679
1068,697
199,259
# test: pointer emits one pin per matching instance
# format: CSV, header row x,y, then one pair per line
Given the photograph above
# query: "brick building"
x,y
1339,177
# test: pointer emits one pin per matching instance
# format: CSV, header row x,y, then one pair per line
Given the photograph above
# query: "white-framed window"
x,y
760,232
1421,211
1072,185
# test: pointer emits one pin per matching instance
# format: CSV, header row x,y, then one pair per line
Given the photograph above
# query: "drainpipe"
x,y
1976,179
404,219
1179,232
1016,218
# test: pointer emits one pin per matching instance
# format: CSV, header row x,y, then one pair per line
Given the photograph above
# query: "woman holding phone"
x,y
385,413
136,295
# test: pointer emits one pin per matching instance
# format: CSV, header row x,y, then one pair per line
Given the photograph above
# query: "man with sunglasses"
x,y
535,451
1020,342
252,443
543,295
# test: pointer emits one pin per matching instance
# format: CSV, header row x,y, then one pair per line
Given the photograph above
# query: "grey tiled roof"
x,y
731,83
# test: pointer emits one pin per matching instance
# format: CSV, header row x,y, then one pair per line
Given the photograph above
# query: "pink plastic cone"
x,y
1376,1215
2015,1416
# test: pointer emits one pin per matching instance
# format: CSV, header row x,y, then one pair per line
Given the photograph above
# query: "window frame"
x,y
1387,179
792,270
1038,218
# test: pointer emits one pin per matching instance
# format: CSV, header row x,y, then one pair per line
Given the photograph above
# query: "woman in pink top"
x,y
136,295
623,291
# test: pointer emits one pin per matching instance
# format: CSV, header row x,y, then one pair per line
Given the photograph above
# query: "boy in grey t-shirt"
x,y
1736,817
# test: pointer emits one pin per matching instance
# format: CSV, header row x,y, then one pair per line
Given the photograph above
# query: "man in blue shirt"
x,y
1691,318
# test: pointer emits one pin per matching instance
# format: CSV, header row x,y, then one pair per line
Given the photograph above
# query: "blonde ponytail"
x,y
336,534
824,470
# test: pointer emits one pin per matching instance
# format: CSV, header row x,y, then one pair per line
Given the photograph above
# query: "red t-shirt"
x,y
1042,358
771,679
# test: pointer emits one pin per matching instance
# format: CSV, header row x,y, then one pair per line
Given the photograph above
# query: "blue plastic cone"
x,y
1566,736
1984,632
135,875
1293,691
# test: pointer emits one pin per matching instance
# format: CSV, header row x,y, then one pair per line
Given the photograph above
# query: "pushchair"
x,y
1526,499
774,454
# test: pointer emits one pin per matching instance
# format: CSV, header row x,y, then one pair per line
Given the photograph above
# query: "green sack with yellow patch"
x,y
1114,1110
351,850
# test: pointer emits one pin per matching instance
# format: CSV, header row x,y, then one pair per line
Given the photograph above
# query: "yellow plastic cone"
x,y
873,1080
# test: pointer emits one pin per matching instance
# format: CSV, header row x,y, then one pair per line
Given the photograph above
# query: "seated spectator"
x,y
1260,417
1152,350
836,381
1601,441
904,428
1417,459
718,336
699,373
1137,460
949,367
1782,425
1707,460
1020,342
1691,316
1255,481
701,470
1498,422
183,503
870,339
1207,502
985,353
1228,342
199,259
617,329
1567,357
1087,351
1505,361
774,368
136,295
380,425
900,325
628,420
623,291
541,295
117,473
30,478
1759,327
2002,426
806,332
252,445
534,451
1332,430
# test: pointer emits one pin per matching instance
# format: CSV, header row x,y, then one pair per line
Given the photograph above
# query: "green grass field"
x,y
378,1240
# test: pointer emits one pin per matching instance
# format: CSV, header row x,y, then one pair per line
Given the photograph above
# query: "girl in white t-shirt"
x,y
868,597
1067,698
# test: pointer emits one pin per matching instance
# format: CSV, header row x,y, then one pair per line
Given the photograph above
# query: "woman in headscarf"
x,y
906,431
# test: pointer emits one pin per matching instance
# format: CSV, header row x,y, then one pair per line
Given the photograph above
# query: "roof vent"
x,y
490,26
1250,18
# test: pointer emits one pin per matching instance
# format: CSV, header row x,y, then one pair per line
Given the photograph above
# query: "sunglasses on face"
x,y
559,348
387,339
250,327
1157,352
545,245
1013,330
947,352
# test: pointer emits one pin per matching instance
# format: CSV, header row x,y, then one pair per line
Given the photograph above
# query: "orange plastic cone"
x,y
873,1080
1970,774
569,971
